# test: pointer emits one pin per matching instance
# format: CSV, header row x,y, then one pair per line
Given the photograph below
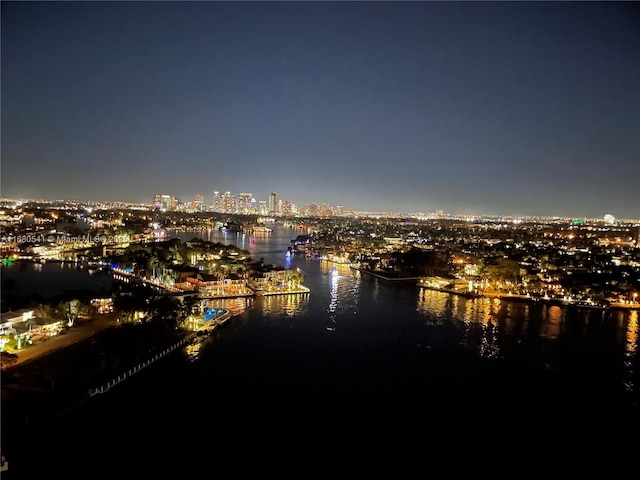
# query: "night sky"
x,y
511,108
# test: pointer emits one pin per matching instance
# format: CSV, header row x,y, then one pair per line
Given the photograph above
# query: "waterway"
x,y
46,280
359,359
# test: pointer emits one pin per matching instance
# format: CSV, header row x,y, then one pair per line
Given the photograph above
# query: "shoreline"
x,y
529,299
173,291
509,296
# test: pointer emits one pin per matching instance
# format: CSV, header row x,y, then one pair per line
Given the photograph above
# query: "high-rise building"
x,y
286,208
173,203
216,202
198,203
163,202
244,203
326,210
229,203
313,210
274,203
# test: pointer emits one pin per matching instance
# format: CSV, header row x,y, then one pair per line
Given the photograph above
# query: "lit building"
x,y
287,208
244,203
216,202
163,202
313,210
325,210
198,203
274,203
229,203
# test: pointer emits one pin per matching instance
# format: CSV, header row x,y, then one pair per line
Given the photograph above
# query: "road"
x,y
82,330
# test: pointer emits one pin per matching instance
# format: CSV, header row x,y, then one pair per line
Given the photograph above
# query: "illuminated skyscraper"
x,y
274,203
197,204
216,202
244,203
164,202
286,208
229,203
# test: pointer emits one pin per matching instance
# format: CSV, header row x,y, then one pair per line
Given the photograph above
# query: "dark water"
x,y
50,279
358,361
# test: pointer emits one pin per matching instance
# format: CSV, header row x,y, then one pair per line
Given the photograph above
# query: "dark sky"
x,y
514,108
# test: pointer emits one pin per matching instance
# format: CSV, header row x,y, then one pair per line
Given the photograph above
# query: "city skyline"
x,y
323,209
488,108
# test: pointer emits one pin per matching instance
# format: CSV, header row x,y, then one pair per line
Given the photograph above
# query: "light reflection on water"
x,y
438,307
236,306
344,291
333,303
360,344
553,322
356,310
495,328
631,350
632,333
290,305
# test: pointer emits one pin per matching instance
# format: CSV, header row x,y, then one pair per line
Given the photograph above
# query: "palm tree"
x,y
157,265
69,309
